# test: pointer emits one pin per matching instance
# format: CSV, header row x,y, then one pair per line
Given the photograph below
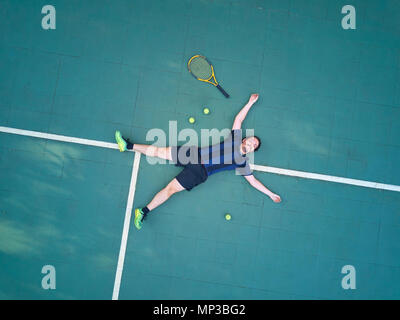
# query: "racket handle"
x,y
223,91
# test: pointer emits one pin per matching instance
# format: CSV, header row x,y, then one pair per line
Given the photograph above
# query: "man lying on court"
x,y
199,163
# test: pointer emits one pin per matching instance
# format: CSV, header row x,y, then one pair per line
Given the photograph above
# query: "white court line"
x,y
125,232
292,173
323,177
57,137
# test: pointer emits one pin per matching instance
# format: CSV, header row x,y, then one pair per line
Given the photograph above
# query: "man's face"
x,y
249,144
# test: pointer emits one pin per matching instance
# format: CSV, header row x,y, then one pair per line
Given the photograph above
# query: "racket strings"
x,y
200,68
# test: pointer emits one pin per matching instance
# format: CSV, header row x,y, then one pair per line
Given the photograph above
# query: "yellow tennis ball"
x,y
228,217
206,111
192,120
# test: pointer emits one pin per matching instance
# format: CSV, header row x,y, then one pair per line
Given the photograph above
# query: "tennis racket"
x,y
202,70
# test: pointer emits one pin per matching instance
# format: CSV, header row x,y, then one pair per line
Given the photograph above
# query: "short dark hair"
x,y
258,139
259,143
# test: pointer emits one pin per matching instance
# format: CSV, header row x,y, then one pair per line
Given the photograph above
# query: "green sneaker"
x,y
138,218
121,142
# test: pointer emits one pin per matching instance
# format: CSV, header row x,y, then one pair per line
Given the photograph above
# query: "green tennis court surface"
x,y
329,104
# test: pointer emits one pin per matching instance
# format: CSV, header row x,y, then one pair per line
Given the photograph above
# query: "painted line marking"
x,y
57,137
125,232
287,172
323,177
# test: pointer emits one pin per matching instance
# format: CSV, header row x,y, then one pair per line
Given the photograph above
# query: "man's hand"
x,y
259,186
275,198
253,98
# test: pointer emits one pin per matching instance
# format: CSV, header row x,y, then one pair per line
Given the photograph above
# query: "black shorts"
x,y
193,172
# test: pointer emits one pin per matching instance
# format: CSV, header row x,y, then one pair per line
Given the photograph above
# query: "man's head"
x,y
250,144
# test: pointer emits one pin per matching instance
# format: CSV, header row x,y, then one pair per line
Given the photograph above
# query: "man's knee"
x,y
163,153
172,188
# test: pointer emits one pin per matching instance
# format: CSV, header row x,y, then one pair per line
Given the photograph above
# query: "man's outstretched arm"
x,y
259,186
237,124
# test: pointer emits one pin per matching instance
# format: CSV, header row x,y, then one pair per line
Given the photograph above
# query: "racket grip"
x,y
223,91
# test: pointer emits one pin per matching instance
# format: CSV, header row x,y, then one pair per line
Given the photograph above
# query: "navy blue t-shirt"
x,y
226,156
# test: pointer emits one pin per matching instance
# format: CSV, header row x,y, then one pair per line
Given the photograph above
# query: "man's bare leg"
x,y
173,187
149,150
153,151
